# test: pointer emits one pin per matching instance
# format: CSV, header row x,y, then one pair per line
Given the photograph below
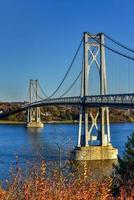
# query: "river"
x,y
30,144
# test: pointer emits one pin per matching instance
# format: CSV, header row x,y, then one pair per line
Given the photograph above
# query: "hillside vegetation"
x,y
65,113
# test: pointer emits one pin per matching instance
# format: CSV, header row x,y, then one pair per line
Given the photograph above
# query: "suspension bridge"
x,y
105,79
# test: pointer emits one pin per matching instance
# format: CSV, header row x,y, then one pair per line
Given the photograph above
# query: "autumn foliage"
x,y
37,186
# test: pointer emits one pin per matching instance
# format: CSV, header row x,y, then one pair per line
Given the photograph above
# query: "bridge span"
x,y
114,86
113,100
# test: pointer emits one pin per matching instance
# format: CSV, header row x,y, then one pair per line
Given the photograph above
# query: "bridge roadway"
x,y
113,100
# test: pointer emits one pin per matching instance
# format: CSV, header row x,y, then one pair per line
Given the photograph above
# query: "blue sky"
x,y
39,37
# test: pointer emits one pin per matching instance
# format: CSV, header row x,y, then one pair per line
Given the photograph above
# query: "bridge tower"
x,y
90,146
34,115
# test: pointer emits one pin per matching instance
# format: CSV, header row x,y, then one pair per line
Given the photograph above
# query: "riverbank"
x,y
45,122
11,122
57,122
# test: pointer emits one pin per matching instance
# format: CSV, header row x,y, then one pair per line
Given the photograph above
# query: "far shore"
x,y
11,122
45,122
55,122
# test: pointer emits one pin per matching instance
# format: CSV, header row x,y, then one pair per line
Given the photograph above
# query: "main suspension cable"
x,y
113,50
71,86
66,74
45,95
73,83
119,44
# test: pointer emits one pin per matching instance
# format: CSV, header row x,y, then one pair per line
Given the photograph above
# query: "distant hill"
x,y
65,113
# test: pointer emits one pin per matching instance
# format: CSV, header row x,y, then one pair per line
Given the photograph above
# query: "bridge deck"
x,y
114,100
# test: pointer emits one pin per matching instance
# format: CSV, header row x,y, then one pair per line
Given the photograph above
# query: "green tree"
x,y
123,175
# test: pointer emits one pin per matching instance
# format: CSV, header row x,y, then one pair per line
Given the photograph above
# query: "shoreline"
x,y
55,122
11,122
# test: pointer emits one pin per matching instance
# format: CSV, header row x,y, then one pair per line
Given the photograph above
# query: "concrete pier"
x,y
95,153
35,125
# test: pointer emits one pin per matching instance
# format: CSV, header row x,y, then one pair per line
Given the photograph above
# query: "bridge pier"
x,y
34,115
94,144
34,120
107,152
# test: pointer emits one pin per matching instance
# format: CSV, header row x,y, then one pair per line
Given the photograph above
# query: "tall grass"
x,y
35,185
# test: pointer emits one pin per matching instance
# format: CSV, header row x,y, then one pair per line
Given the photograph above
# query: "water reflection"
x,y
56,153
44,148
93,169
34,130
34,139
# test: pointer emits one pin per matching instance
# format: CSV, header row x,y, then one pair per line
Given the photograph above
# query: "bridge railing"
x,y
102,100
121,99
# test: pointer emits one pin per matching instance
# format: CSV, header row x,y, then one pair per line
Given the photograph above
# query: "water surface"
x,y
29,144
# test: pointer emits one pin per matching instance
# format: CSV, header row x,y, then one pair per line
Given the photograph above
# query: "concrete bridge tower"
x,y
94,146
34,115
